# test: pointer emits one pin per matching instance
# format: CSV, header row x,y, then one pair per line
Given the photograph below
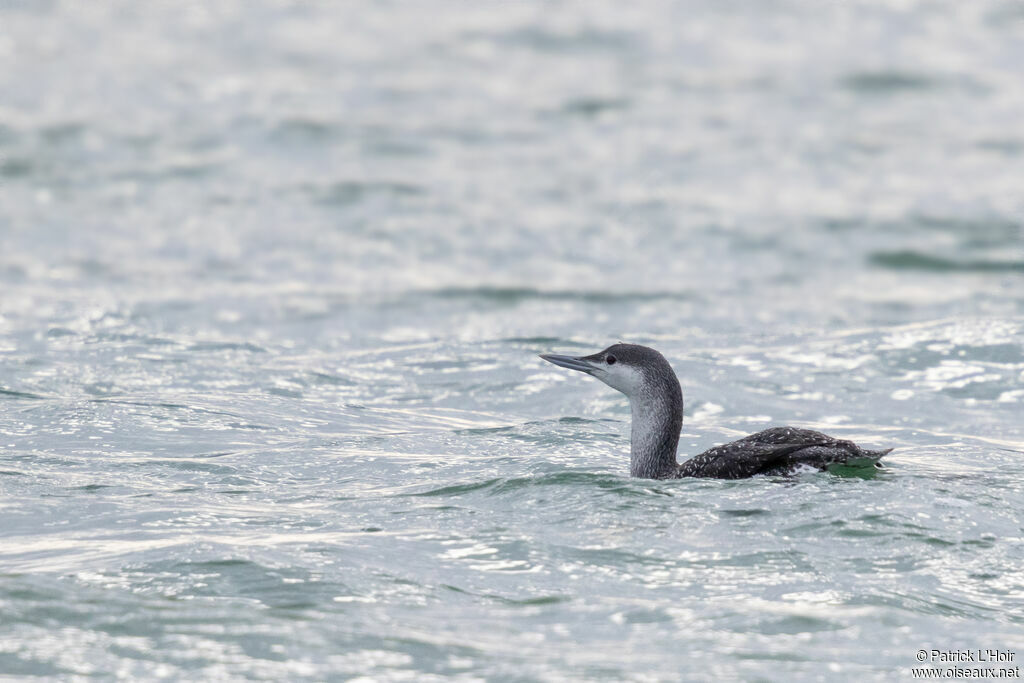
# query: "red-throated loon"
x,y
656,400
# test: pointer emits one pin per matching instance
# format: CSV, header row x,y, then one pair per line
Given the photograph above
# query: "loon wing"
x,y
779,450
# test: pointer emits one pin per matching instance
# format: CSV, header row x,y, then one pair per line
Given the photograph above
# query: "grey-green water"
x,y
273,278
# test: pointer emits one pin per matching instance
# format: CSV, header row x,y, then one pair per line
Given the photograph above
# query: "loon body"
x,y
656,400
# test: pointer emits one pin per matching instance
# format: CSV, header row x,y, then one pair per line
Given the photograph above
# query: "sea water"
x,y
273,281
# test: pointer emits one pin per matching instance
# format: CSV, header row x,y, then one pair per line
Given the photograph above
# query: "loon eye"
x,y
610,360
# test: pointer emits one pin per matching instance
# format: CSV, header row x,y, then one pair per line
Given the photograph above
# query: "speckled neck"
x,y
657,420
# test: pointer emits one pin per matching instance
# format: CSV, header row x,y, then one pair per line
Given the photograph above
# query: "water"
x,y
273,278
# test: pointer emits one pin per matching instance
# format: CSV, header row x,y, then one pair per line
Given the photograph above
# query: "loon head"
x,y
656,400
630,368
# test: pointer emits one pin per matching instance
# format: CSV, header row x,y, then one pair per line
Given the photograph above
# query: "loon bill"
x,y
656,401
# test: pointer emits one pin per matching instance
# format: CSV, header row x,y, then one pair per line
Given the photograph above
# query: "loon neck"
x,y
657,420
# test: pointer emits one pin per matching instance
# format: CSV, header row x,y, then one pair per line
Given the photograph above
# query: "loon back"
x,y
656,402
778,451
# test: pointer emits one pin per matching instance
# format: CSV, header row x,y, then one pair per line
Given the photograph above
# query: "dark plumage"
x,y
656,400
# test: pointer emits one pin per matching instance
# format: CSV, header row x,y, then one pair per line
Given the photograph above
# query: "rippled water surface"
x,y
273,278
